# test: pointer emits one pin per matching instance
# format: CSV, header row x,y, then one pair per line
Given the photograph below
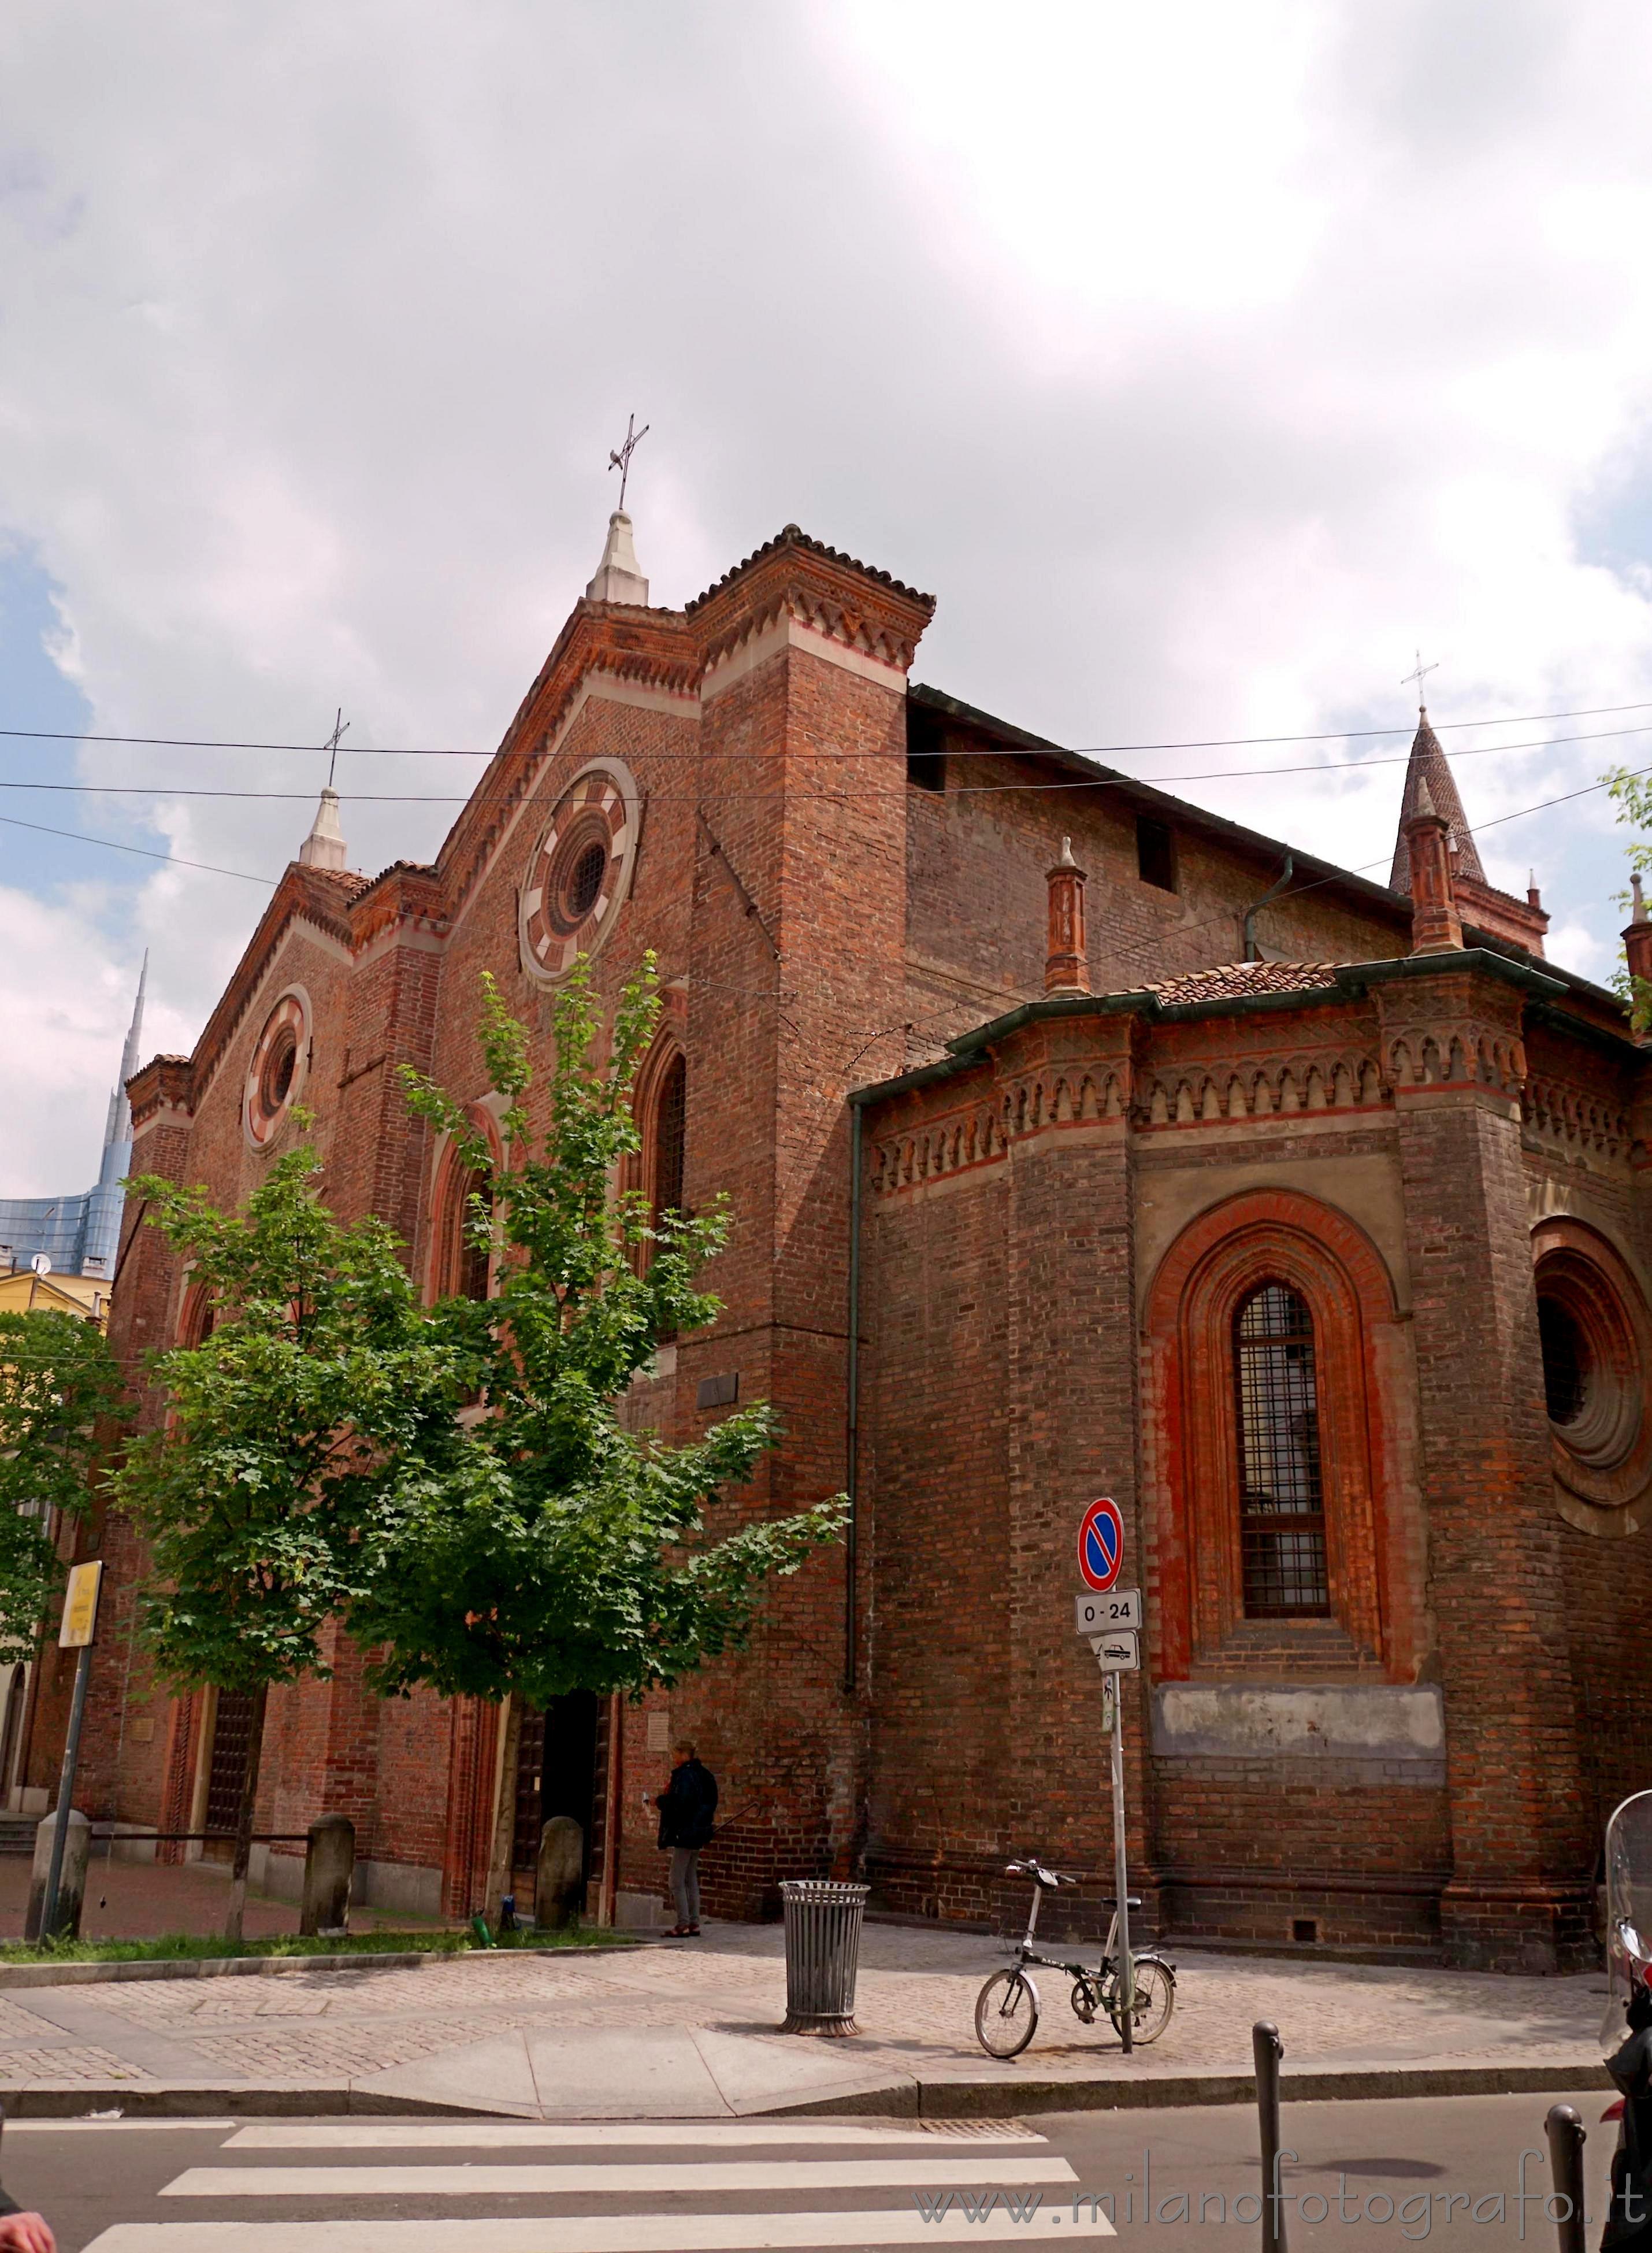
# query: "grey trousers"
x,y
685,1883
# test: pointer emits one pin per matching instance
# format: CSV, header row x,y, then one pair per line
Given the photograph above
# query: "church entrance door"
x,y
555,1775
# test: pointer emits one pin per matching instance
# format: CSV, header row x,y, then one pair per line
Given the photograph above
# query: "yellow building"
x,y
86,1295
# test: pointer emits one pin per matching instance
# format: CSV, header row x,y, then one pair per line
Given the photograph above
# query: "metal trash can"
x,y
823,1954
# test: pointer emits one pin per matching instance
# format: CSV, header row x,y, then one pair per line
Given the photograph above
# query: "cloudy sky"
x,y
1204,360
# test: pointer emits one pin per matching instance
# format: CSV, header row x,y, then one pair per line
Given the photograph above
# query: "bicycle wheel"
x,y
1007,2014
1156,1998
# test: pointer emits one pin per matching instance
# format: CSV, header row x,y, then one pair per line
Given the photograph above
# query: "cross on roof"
x,y
340,727
620,459
1420,676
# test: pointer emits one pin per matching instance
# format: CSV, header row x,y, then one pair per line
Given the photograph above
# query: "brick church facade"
x,y
1314,1230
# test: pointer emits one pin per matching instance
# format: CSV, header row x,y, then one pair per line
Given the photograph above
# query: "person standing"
x,y
686,1807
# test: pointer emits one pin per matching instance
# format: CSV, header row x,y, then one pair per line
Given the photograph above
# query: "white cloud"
x,y
61,1027
1202,360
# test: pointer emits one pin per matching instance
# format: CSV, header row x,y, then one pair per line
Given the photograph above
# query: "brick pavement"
x,y
313,2027
141,1900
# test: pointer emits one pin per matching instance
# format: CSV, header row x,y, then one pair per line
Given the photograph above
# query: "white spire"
x,y
325,847
619,577
117,1132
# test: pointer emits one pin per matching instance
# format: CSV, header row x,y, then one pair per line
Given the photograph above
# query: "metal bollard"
x,y
1267,2050
1566,2140
823,1954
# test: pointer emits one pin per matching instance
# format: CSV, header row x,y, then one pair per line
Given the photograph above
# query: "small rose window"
x,y
279,1066
1592,1332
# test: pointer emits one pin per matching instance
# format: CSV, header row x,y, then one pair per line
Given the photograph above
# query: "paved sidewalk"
x,y
688,2029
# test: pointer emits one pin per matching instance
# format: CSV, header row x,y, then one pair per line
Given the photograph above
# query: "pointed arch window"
x,y
466,1265
670,1137
1281,1487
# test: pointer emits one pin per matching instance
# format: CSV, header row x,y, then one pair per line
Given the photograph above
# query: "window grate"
x,y
1566,1362
671,1126
1281,1499
232,1749
468,1261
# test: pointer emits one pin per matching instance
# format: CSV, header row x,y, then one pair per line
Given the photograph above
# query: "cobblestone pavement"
x,y
322,2028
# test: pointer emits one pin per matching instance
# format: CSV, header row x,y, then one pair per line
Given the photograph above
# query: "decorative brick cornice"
x,y
1181,1095
1576,1121
408,892
794,577
321,898
166,1082
646,648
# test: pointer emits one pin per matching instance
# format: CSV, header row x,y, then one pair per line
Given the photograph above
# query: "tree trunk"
x,y
505,1813
244,1819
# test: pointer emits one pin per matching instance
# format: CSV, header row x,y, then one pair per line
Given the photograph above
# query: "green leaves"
x,y
454,1484
1633,794
320,1375
567,1552
59,1383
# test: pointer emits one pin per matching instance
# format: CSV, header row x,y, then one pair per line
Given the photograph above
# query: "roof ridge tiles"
x,y
793,535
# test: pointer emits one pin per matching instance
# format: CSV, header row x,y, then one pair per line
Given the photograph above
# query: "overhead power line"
x,y
701,792
1082,750
114,845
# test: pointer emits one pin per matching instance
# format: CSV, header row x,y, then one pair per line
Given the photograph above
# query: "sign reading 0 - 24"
x,y
579,871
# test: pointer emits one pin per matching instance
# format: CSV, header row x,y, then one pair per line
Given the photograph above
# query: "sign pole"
x,y
79,1626
1120,1868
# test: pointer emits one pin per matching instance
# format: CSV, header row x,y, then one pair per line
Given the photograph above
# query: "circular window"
x,y
579,871
278,1069
1591,1326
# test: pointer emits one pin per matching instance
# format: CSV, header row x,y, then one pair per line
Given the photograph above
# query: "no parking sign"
x,y
1101,1543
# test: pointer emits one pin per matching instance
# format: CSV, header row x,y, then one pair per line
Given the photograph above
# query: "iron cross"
x,y
620,459
1420,676
339,726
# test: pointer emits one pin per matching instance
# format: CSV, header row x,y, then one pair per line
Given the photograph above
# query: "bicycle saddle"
x,y
1035,1869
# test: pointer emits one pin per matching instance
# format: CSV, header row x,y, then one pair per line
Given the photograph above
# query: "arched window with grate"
x,y
466,1265
669,1136
1281,1491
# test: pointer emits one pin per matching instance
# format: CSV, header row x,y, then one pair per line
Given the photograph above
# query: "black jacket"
x,y
686,1806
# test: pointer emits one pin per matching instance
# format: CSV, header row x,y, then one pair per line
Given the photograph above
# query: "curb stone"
x,y
16,1976
904,2099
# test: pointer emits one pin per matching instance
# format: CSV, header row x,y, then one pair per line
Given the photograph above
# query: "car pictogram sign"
x,y
1101,1543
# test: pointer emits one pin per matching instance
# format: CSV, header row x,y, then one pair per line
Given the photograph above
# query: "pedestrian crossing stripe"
x,y
613,2178
613,2233
637,2135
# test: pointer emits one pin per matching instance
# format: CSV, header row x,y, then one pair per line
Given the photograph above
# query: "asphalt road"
x,y
1443,2171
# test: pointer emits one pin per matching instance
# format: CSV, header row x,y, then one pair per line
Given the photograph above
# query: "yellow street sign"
x,y
80,1606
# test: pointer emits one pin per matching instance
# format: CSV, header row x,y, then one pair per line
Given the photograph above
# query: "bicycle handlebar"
x,y
1031,1868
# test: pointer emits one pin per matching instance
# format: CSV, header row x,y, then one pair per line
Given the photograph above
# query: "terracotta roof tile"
x,y
793,535
1237,981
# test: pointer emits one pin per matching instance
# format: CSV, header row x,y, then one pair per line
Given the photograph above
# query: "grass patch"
x,y
180,1947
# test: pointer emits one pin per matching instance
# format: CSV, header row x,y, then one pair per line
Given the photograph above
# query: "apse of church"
x,y
1301,1214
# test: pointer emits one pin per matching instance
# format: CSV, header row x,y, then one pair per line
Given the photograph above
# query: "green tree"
x,y
566,1552
1633,793
58,1385
321,1384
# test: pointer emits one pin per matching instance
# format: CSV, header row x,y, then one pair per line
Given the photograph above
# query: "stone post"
x,y
71,1882
329,1864
559,1889
1066,959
